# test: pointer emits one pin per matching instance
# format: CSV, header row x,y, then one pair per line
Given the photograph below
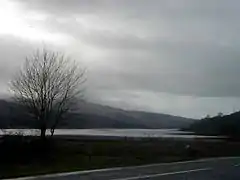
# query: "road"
x,y
204,169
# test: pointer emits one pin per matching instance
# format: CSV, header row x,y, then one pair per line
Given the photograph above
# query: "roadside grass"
x,y
24,156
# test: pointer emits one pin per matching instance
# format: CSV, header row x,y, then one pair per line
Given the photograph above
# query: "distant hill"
x,y
89,115
228,125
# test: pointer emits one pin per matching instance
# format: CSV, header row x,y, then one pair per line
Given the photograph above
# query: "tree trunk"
x,y
43,132
52,131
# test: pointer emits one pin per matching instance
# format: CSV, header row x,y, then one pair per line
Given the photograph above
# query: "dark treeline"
x,y
226,125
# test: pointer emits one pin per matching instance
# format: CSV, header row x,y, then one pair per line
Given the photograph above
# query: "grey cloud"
x,y
187,69
12,55
181,47
214,20
198,56
140,6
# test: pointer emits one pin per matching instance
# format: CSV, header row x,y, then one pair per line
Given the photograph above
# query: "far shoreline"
x,y
113,134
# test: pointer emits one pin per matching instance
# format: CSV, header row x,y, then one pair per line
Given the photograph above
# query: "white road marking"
x,y
117,169
164,174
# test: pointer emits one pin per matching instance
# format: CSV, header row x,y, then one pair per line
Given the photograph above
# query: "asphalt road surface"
x,y
205,169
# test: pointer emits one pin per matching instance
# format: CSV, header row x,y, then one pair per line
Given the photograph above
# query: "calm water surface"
x,y
164,133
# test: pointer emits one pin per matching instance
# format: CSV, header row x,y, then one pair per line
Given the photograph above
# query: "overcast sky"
x,y
180,57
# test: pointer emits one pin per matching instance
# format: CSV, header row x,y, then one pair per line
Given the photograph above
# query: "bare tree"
x,y
48,85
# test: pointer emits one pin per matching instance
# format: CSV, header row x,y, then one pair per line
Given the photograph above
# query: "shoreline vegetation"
x,y
28,155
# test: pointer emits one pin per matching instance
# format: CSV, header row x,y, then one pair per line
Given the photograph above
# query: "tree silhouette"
x,y
48,85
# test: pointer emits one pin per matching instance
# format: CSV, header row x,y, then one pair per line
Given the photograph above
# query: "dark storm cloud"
x,y
181,47
174,56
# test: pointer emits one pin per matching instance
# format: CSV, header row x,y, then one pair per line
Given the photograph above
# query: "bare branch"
x,y
48,84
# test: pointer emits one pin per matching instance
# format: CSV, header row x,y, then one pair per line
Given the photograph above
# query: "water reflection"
x,y
148,133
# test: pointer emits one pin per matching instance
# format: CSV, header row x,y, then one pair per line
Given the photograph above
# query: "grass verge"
x,y
24,156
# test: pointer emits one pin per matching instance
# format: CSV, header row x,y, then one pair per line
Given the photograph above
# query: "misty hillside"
x,y
89,115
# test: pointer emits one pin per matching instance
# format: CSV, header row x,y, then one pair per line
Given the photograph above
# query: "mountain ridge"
x,y
91,115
